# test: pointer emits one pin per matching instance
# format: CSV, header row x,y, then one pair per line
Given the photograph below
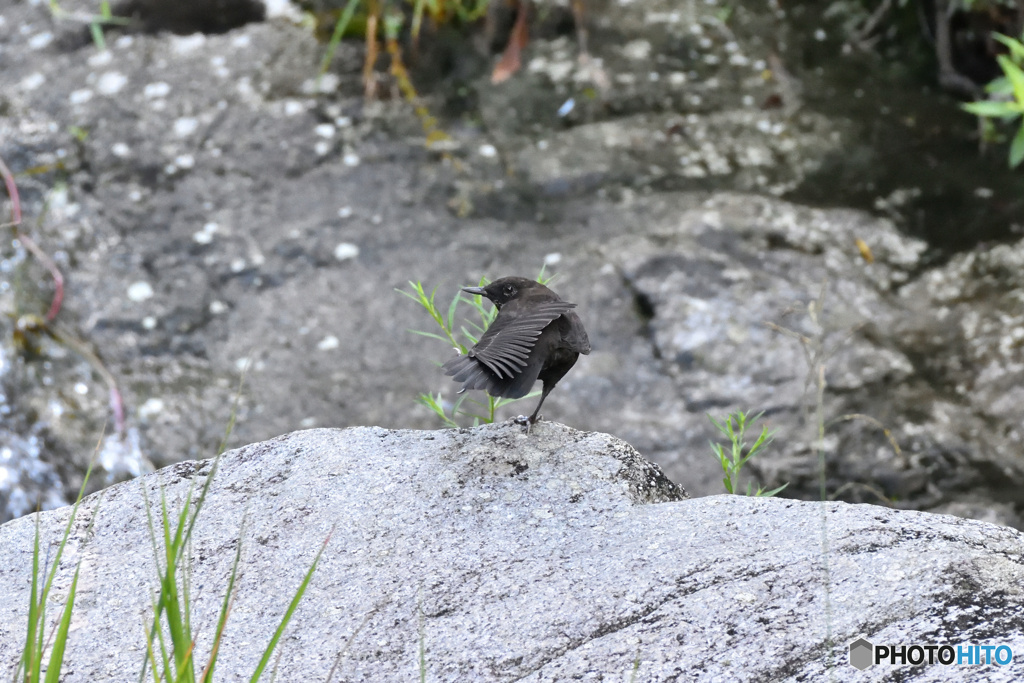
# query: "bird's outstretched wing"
x,y
506,344
503,350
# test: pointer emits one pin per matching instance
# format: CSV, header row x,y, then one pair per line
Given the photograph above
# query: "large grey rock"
x,y
555,556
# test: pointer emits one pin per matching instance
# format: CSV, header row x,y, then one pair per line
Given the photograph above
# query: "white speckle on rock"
x,y
170,169
135,196
184,44
345,212
238,265
637,49
488,151
328,343
185,126
111,83
322,148
185,161
80,96
983,193
343,121
204,236
325,130
40,40
81,388
345,251
124,42
242,364
102,58
677,78
152,407
32,81
553,259
293,107
241,41
350,159
307,422
120,149
283,9
217,307
820,35
244,87
153,91
140,291
325,85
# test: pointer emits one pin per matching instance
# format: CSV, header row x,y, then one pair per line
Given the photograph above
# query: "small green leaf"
x,y
1017,148
992,109
1015,74
1000,86
1016,47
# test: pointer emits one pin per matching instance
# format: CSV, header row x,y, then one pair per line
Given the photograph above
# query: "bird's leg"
x,y
543,395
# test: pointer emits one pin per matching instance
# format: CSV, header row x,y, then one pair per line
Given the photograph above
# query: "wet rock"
x,y
497,556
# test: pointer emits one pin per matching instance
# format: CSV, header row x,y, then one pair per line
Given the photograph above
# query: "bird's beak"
x,y
479,291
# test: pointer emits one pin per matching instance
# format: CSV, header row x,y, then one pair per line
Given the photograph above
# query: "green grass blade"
x,y
61,639
288,614
30,655
429,334
339,31
225,609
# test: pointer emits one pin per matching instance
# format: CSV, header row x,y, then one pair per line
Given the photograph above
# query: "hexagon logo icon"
x,y
860,653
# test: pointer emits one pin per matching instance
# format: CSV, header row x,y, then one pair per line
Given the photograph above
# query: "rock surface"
x,y
506,557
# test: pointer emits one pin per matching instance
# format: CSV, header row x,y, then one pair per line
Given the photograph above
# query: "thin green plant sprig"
x,y
470,333
1006,95
172,608
734,426
30,666
96,22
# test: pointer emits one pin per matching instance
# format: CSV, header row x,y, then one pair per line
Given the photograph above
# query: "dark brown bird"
x,y
535,336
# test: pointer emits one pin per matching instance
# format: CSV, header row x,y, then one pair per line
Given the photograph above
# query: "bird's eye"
x,y
510,290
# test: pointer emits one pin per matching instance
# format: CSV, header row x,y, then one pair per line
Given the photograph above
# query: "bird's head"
x,y
506,289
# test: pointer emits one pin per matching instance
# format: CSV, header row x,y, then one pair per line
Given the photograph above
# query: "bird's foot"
x,y
527,422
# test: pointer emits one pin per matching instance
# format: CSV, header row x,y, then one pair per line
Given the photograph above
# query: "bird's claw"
x,y
522,420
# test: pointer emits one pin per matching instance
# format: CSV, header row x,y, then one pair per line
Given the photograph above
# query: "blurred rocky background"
x,y
773,207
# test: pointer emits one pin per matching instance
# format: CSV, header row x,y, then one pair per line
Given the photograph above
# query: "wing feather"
x,y
506,345
497,361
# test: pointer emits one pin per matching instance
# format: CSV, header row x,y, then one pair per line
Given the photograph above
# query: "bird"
x,y
535,336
